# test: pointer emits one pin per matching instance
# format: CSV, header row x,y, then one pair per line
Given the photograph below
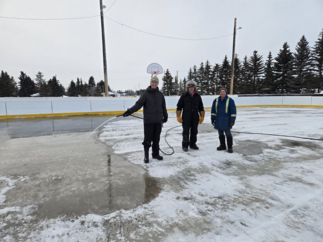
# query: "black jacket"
x,y
191,106
154,105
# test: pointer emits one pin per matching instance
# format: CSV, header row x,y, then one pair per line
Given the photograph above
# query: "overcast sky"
x,y
73,48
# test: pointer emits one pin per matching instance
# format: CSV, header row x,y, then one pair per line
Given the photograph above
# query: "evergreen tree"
x,y
78,87
237,76
190,74
269,85
207,80
176,87
97,91
215,79
245,87
101,88
184,85
256,68
180,87
27,86
168,86
283,69
224,75
55,89
85,90
200,80
40,85
303,63
318,60
91,81
194,75
71,91
7,85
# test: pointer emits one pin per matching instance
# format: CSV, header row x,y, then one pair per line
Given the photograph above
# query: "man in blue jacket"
x,y
223,117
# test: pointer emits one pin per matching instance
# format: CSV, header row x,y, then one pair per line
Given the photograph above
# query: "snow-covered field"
x,y
269,189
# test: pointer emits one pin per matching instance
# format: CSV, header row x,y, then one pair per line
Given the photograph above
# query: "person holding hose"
x,y
223,117
155,114
193,114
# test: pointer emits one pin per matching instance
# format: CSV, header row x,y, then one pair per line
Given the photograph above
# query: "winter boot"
x,y
185,146
222,143
185,143
157,156
146,159
229,142
194,147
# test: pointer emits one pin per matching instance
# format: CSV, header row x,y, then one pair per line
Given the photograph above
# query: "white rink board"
x,y
71,106
248,101
294,100
107,105
318,101
270,101
3,108
28,107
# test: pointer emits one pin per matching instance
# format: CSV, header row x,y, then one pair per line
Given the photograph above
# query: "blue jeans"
x,y
227,132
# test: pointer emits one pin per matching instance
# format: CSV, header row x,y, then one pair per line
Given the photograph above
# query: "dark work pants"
x,y
190,125
226,131
152,134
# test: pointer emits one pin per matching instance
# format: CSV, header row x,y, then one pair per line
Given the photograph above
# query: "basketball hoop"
x,y
155,69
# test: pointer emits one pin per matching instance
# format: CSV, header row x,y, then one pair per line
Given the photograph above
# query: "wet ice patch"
x,y
7,183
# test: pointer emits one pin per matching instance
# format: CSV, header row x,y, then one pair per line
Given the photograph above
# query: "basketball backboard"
x,y
155,69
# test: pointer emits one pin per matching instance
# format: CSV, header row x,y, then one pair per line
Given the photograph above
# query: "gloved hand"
x,y
201,120
126,113
231,124
178,114
164,120
213,122
202,113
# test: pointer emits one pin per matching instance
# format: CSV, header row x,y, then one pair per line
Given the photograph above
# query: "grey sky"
x,y
73,48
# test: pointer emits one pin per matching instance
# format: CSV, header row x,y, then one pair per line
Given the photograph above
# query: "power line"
x,y
111,6
49,19
59,19
163,36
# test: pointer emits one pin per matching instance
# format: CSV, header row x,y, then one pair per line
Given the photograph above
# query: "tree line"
x,y
26,86
289,72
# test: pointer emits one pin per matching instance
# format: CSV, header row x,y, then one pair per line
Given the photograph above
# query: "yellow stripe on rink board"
x,y
140,111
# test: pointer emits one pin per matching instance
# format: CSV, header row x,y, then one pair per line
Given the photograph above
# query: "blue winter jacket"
x,y
223,112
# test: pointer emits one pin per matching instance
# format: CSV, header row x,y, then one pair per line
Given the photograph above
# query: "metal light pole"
x,y
233,55
106,91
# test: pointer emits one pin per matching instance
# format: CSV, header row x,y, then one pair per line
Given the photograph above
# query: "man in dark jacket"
x,y
223,117
155,113
193,114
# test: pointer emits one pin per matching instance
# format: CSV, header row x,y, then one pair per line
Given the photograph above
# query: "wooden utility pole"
x,y
106,91
233,56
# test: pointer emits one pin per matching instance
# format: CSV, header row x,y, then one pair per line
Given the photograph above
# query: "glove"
x,y
178,114
126,113
164,120
202,113
231,124
201,120
213,122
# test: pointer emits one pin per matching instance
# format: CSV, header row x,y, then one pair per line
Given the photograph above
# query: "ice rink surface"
x,y
269,189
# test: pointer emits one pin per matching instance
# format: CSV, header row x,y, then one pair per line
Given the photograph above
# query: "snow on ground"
x,y
269,189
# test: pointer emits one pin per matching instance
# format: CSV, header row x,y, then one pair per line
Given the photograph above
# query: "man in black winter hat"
x,y
193,114
155,114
